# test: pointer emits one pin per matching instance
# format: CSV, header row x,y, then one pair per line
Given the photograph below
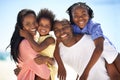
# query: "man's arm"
x,y
61,69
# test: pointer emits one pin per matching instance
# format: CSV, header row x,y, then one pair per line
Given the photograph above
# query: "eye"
x,y
45,26
34,23
56,30
27,24
75,16
84,15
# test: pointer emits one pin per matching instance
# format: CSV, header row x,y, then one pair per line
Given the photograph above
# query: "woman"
x,y
22,52
76,51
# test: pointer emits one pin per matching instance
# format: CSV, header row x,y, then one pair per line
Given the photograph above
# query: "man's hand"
x,y
61,73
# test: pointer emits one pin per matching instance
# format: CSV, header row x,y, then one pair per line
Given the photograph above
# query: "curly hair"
x,y
45,13
80,4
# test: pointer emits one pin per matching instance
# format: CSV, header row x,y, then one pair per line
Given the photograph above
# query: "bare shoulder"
x,y
50,39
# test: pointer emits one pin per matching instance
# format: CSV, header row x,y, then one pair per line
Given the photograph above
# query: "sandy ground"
x,y
6,70
7,67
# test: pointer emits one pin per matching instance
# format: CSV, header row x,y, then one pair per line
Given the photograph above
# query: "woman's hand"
x,y
51,61
40,59
17,70
61,73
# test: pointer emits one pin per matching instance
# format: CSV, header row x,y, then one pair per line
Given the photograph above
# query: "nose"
x,y
80,17
33,25
61,31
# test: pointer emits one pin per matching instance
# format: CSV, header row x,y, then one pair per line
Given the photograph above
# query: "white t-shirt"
x,y
78,56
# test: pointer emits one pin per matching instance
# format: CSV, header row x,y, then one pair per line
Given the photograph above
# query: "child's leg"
x,y
112,72
114,69
117,62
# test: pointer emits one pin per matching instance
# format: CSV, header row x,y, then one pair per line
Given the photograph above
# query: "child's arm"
x,y
95,56
37,47
61,69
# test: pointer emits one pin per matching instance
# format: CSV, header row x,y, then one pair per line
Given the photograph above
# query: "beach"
x,y
7,66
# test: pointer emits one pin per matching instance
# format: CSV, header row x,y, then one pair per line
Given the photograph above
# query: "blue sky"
x,y
106,12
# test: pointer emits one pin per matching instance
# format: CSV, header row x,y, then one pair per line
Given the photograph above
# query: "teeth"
x,y
43,31
81,22
64,35
33,30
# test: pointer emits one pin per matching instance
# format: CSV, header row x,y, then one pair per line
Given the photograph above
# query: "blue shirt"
x,y
92,28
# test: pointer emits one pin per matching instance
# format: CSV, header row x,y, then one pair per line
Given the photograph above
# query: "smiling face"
x,y
44,26
63,31
80,16
30,24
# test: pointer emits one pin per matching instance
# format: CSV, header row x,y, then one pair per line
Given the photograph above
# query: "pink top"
x,y
28,66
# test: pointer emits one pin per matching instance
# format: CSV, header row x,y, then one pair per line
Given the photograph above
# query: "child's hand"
x,y
61,73
84,76
25,34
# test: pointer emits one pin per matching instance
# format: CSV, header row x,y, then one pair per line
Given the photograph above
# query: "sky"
x,y
106,12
